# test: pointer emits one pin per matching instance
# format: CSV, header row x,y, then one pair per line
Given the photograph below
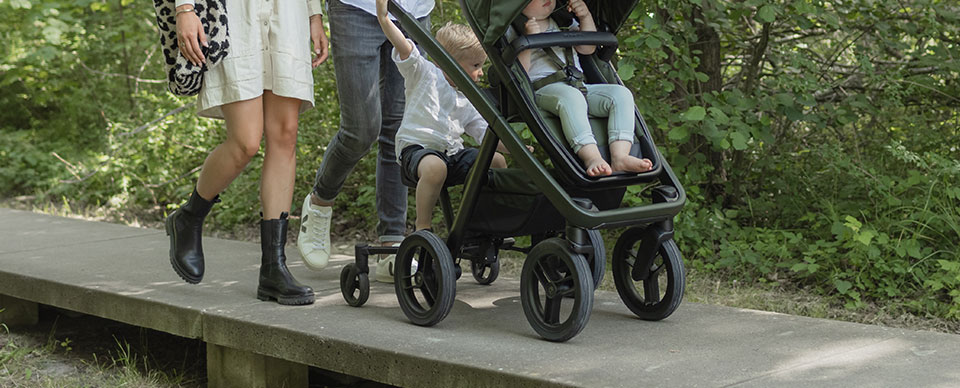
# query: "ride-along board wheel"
x,y
483,272
657,295
597,259
354,286
556,290
426,290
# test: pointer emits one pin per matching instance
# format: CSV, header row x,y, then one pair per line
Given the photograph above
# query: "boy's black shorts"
x,y
458,165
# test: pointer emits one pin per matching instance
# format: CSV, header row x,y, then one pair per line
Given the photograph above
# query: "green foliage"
x,y
817,140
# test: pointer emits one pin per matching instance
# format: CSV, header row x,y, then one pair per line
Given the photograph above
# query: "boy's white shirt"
x,y
541,65
436,114
314,7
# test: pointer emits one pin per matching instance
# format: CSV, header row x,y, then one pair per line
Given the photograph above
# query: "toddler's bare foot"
x,y
597,167
630,163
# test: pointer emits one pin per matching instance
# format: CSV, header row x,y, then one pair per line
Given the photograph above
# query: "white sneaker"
x,y
385,275
385,269
313,240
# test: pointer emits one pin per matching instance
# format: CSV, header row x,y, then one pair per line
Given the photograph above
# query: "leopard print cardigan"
x,y
185,78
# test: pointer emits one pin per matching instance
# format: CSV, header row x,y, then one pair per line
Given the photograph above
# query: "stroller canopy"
x,y
492,17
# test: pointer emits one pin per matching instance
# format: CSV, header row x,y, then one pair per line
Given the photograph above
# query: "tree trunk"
x,y
708,45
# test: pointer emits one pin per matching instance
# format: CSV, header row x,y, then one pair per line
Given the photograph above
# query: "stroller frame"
x,y
645,250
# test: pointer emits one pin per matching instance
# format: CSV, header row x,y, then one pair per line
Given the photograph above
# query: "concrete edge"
x,y
384,366
150,314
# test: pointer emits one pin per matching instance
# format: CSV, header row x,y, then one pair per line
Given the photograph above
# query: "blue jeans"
x,y
371,106
602,100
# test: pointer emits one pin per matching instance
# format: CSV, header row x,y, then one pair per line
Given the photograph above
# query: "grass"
x,y
94,352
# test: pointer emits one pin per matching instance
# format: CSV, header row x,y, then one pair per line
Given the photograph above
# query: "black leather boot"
x,y
276,282
185,228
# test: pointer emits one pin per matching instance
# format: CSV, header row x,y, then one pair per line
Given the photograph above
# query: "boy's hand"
x,y
319,38
532,27
579,8
382,9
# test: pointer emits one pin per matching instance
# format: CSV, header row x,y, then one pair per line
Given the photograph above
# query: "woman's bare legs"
x,y
244,120
280,115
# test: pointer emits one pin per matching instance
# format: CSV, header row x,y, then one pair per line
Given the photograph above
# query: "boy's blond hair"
x,y
460,41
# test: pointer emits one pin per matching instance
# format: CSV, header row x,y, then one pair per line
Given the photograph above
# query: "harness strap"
x,y
568,73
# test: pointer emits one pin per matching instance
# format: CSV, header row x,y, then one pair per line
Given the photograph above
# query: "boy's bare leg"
x,y
498,161
432,173
596,166
621,160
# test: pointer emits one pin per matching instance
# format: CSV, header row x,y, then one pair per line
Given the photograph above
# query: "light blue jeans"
x,y
371,105
602,100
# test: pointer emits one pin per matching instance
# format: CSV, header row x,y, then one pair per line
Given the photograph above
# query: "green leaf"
x,y
626,71
739,141
718,116
695,113
653,42
865,236
678,133
767,13
842,285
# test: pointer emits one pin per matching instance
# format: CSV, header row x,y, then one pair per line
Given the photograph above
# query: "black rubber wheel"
x,y
426,292
659,294
556,290
597,260
483,272
354,286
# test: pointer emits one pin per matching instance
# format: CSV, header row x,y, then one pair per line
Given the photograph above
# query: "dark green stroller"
x,y
561,208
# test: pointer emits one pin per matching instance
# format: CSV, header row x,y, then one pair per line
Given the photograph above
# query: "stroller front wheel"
x,y
483,272
424,278
556,290
658,293
354,286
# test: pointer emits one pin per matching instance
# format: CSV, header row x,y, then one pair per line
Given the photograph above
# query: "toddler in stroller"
x,y
560,89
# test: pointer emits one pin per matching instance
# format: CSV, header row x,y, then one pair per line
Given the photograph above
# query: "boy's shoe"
x,y
385,269
313,240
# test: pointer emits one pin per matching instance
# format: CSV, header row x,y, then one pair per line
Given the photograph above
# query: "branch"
x,y
152,123
138,79
155,185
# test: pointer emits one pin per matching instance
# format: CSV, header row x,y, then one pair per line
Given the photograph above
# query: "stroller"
x,y
553,201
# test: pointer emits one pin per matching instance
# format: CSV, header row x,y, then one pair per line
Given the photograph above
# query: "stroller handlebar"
x,y
606,42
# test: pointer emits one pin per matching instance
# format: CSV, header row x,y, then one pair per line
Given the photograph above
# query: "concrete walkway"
x,y
123,273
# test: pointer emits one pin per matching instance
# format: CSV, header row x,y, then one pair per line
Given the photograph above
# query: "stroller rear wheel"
x,y
551,273
354,286
424,278
658,293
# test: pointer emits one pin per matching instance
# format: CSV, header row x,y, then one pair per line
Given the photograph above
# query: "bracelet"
x,y
183,11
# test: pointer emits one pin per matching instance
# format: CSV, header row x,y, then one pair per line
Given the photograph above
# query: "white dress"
x,y
269,50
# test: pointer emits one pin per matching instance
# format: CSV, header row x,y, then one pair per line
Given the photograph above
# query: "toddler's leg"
x,y
568,103
432,172
616,102
596,166
621,160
